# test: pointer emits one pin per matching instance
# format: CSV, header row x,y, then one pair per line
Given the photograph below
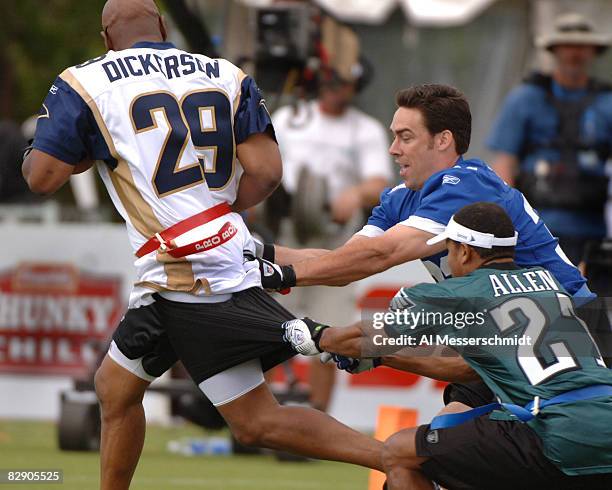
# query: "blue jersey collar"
x,y
460,161
153,45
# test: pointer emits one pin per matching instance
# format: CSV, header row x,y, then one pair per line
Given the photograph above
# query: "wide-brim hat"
x,y
574,29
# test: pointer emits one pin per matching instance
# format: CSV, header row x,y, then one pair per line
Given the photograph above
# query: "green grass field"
x,y
32,445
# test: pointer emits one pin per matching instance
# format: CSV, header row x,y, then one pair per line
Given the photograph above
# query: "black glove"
x,y
276,277
356,366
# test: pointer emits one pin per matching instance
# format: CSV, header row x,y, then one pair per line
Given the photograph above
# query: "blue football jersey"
x,y
470,181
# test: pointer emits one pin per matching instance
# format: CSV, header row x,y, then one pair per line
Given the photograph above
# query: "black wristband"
x,y
316,330
268,252
289,278
317,336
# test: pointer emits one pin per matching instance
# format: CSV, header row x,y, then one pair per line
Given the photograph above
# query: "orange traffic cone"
x,y
390,420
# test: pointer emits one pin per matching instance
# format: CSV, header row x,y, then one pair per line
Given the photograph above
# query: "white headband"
x,y
462,234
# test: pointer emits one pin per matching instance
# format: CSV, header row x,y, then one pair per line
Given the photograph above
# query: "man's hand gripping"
x,y
276,277
304,335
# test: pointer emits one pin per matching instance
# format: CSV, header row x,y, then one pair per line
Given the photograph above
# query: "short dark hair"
x,y
443,107
488,217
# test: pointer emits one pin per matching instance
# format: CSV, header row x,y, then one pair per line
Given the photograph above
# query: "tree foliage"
x,y
40,38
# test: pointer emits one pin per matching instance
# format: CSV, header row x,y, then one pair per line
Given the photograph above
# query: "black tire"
x,y
78,428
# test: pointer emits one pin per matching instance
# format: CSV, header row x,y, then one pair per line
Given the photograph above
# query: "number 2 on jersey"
x,y
204,116
530,357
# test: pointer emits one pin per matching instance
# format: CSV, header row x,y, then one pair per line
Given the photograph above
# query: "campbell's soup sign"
x,y
54,318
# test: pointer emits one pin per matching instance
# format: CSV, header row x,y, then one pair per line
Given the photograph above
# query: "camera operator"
x,y
553,136
347,150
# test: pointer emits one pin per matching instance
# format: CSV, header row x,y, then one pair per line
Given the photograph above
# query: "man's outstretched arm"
x,y
286,255
349,342
365,257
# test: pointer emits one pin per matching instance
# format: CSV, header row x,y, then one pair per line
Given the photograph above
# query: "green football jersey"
x,y
517,329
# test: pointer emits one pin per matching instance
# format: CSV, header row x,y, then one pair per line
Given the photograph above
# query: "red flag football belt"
x,y
162,240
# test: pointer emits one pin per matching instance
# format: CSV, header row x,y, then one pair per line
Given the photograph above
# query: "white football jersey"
x,y
164,125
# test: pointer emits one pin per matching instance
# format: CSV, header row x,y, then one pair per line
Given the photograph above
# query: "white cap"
x,y
573,28
463,234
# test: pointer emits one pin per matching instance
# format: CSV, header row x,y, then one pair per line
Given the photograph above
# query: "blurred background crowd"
x,y
330,69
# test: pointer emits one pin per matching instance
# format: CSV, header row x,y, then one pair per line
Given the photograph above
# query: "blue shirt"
x,y
528,119
470,181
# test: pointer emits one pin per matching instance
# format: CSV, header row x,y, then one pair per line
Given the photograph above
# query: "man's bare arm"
x,y
349,342
286,255
45,174
364,257
346,341
263,169
506,166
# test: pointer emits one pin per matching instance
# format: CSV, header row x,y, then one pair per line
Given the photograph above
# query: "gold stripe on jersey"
x,y
197,286
180,276
139,211
240,76
180,273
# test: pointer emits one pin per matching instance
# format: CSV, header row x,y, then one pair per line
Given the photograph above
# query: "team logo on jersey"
x,y
451,179
44,112
53,90
262,103
432,437
401,301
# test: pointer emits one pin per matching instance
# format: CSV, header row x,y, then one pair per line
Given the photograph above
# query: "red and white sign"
x,y
54,317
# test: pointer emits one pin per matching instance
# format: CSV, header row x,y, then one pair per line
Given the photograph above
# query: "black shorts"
x,y
207,337
473,394
484,454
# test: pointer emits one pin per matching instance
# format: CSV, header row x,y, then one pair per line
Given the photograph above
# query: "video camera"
x,y
292,49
